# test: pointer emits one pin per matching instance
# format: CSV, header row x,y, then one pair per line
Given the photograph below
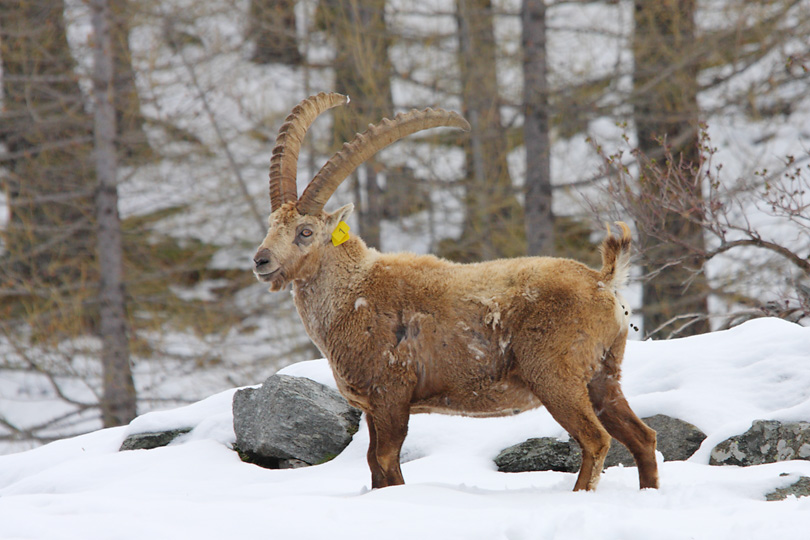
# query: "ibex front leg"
x,y
377,476
387,429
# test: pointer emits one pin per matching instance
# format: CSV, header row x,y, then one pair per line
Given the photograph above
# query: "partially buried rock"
x,y
292,421
677,441
541,454
148,441
767,441
799,488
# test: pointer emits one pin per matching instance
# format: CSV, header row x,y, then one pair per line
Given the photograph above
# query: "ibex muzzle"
x,y
262,267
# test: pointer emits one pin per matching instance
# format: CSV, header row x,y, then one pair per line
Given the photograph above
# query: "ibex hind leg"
x,y
568,402
627,428
620,421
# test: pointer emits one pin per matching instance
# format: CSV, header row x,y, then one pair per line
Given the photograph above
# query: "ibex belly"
x,y
464,371
500,398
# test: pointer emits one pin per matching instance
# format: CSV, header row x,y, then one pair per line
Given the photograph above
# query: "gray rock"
x,y
799,488
767,441
677,441
289,420
147,441
542,454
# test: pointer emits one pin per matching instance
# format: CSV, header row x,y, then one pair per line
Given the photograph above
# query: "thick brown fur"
x,y
408,333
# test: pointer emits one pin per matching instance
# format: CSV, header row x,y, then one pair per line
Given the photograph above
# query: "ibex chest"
x,y
316,314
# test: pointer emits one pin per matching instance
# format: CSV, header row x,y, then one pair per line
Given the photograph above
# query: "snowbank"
x,y
84,488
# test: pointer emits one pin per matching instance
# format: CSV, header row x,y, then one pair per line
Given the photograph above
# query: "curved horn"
x,y
284,163
366,144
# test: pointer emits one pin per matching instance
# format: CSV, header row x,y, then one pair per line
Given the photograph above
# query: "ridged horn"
x,y
366,144
284,163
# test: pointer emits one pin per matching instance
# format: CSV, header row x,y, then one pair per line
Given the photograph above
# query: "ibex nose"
x,y
261,258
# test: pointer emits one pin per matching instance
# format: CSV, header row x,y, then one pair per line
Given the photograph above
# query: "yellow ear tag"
x,y
340,234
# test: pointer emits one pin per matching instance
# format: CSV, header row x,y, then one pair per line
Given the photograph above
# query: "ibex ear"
x,y
341,214
336,227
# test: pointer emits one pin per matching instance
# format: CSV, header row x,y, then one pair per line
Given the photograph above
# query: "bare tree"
x,y
665,111
49,266
118,405
48,135
363,72
48,241
493,226
536,136
754,256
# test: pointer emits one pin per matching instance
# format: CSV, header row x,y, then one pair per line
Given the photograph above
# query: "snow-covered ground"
x,y
197,487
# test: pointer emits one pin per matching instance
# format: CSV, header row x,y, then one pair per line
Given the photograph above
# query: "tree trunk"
x,y
118,404
536,140
493,224
372,213
272,28
666,111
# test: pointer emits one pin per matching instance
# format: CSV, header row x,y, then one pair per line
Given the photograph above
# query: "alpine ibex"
x,y
407,333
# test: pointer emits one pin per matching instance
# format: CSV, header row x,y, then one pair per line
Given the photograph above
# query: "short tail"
x,y
616,258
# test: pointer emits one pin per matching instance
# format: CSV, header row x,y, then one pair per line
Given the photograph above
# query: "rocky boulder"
x,y
292,421
677,441
767,441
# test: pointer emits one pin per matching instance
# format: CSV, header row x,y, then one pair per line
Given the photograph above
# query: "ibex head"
x,y
300,230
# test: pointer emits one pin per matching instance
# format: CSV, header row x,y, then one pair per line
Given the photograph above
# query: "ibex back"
x,y
406,333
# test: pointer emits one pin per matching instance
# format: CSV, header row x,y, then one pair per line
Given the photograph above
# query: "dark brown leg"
x,y
620,421
388,428
377,476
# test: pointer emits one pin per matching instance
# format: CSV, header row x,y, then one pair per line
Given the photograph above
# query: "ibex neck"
x,y
343,266
321,298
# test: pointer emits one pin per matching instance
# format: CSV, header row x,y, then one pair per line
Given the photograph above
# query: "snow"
x,y
197,487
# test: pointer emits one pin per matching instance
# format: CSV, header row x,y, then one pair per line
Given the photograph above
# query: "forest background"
x,y
135,140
